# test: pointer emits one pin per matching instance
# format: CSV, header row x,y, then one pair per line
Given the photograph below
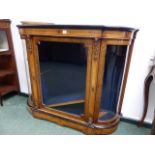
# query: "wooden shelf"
x,y
7,88
6,72
5,53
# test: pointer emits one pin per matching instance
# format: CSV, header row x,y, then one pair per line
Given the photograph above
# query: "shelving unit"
x,y
8,70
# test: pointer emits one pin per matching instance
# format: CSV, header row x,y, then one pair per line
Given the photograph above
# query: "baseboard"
x,y
135,122
24,94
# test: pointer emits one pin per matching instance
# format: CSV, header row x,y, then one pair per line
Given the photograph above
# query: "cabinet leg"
x,y
153,126
1,103
148,81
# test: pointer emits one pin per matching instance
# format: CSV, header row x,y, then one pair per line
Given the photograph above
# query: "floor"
x,y
16,120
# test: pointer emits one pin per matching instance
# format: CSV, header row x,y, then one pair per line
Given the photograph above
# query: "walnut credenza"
x,y
78,73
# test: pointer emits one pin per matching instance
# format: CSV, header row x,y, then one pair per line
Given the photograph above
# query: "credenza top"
x,y
93,27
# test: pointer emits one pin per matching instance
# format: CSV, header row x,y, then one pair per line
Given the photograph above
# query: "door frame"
x,y
103,51
36,79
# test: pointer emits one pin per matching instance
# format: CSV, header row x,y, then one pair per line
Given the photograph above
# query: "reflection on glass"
x,y
113,73
63,74
3,41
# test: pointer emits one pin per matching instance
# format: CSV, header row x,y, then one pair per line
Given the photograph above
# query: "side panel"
x,y
112,62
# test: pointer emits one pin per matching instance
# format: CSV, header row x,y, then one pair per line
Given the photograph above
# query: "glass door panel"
x,y
112,79
63,75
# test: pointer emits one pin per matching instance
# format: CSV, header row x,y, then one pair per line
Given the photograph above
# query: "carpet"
x,y
16,120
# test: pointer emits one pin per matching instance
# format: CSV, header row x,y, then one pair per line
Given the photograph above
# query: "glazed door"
x,y
110,79
64,73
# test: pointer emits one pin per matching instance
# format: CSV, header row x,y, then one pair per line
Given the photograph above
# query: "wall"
x,y
132,13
